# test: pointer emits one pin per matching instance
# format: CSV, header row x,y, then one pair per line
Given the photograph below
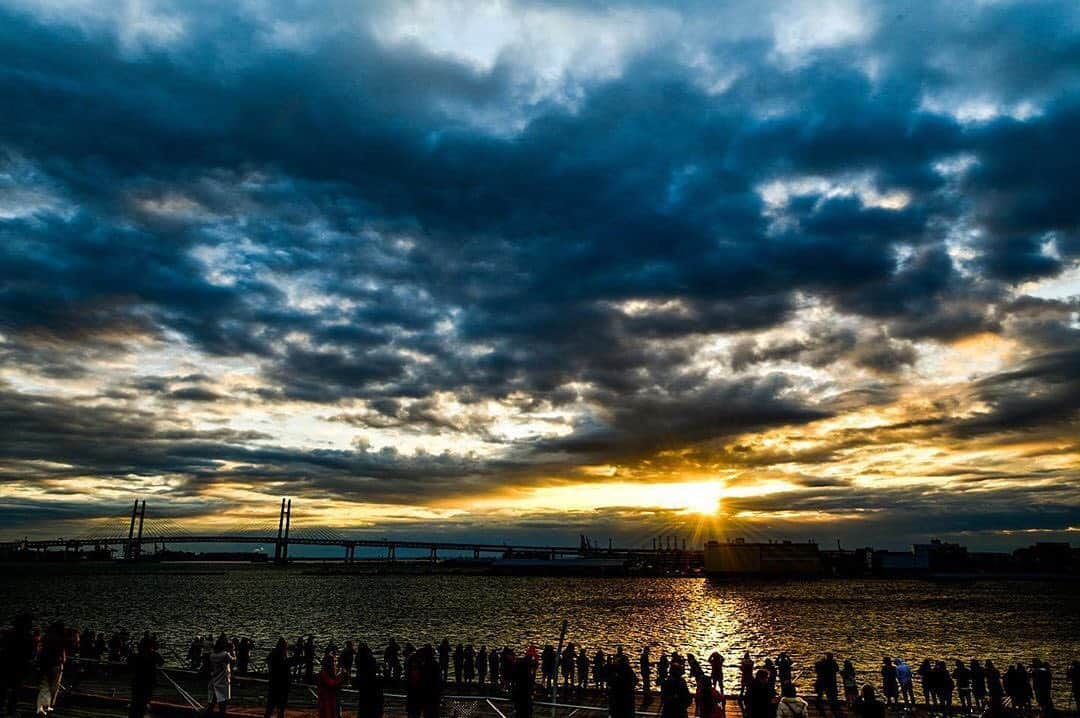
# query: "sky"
x,y
522,270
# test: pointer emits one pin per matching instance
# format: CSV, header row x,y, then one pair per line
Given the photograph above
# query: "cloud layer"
x,y
413,258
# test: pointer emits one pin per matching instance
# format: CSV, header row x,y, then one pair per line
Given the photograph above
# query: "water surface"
x,y
860,619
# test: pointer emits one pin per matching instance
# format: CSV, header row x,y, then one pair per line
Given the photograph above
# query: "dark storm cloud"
x,y
640,425
364,221
1043,391
825,346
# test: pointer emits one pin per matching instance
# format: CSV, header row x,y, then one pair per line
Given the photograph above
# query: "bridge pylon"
x,y
281,546
133,545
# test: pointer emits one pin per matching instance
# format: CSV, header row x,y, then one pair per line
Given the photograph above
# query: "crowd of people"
x,y
682,682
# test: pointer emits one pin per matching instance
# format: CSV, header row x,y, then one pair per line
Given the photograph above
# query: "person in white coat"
x,y
221,662
790,705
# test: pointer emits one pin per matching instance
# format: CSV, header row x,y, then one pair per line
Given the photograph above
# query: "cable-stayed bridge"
x,y
135,531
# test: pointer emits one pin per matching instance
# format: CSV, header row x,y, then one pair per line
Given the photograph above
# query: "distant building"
x,y
900,562
847,562
560,567
1046,557
942,557
992,562
740,558
934,557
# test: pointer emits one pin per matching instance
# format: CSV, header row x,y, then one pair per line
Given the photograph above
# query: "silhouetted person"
x,y
1073,674
521,688
905,679
495,664
705,699
72,640
430,683
346,659
51,659
278,679
761,696
195,651
468,667
533,654
582,670
746,675
662,667
693,669
547,665
444,659
926,677
368,683
86,644
622,685
994,689
309,659
890,683
328,684
144,668
414,704
458,658
101,646
978,683
1041,682
243,655
392,661
674,694
784,668
645,669
825,672
567,665
297,657
716,671
945,685
869,706
849,680
16,652
116,647
961,676
482,665
1015,680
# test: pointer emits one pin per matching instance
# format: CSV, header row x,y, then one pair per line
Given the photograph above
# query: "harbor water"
x,y
864,620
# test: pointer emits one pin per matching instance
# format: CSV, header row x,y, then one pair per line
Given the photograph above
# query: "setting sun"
x,y
703,497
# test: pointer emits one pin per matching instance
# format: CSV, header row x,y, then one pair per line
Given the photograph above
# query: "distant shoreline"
x,y
326,567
